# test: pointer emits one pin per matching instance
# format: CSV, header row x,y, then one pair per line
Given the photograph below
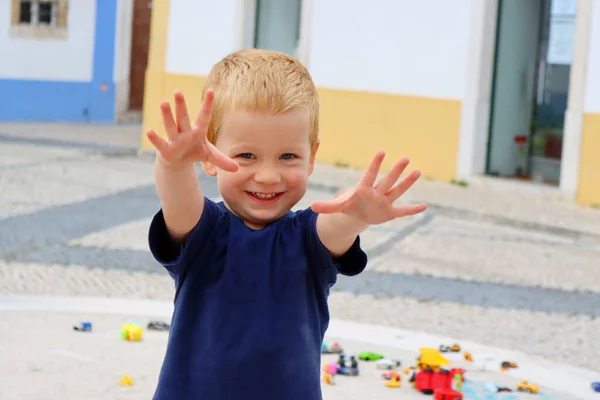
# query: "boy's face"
x,y
275,160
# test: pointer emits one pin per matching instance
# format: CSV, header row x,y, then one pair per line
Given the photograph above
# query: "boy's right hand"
x,y
187,143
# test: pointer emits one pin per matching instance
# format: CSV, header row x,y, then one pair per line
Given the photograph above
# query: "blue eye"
x,y
287,156
247,156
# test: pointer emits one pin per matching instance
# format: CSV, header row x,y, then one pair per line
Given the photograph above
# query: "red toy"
x,y
447,394
428,381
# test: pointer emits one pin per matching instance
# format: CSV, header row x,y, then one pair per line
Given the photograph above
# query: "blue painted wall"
x,y
32,100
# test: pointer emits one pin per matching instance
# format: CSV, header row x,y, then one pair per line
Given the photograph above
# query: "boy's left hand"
x,y
372,203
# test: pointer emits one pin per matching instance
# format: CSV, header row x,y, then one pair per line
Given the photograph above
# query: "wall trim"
x,y
573,128
475,112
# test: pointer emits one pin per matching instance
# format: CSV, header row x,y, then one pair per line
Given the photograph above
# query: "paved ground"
x,y
502,263
66,364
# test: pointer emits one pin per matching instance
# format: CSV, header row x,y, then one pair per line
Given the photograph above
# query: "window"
x,y
39,18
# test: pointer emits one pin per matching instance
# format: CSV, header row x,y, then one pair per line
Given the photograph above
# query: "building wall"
x,y
179,61
61,79
389,81
395,93
589,170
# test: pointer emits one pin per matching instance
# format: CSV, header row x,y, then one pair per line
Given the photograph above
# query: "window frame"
x,y
56,29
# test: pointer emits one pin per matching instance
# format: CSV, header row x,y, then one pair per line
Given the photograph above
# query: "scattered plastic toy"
x,y
468,356
329,379
455,348
85,326
369,356
386,363
334,349
132,332
508,364
347,365
330,368
158,326
526,386
394,380
126,380
596,386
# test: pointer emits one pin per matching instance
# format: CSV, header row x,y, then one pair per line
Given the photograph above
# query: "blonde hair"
x,y
265,81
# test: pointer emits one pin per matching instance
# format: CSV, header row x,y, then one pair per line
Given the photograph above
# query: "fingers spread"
x,y
401,188
411,209
203,118
368,179
159,143
220,160
181,113
385,184
168,121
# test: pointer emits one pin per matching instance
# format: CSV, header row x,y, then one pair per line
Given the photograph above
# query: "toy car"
x,y
509,364
334,349
369,356
158,326
455,348
349,371
525,386
596,386
385,363
85,326
132,332
394,380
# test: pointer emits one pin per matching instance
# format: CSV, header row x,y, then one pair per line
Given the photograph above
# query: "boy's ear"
x,y
311,166
209,169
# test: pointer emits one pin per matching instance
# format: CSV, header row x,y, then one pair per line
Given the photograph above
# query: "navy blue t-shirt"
x,y
250,306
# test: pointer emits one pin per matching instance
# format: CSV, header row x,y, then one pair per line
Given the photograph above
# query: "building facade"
x,y
67,60
464,87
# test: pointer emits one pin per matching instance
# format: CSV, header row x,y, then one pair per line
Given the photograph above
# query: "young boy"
x,y
252,278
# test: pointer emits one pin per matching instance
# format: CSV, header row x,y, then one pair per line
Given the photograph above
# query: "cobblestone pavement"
x,y
501,263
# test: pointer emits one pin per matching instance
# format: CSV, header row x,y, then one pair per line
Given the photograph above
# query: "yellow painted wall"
x,y
353,125
155,72
589,163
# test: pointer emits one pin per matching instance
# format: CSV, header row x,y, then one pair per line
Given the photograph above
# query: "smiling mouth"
x,y
264,197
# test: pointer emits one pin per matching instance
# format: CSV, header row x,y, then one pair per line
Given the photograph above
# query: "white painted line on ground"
x,y
557,376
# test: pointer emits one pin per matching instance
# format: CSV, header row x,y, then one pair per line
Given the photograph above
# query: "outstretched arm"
x,y
342,219
175,175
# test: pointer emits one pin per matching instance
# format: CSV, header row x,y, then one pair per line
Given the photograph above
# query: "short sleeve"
x,y
351,263
172,256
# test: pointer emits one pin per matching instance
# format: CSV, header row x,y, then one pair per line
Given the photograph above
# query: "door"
x,y
277,25
513,98
140,44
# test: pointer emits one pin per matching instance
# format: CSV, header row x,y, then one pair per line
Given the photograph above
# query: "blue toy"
x,y
596,386
349,371
85,326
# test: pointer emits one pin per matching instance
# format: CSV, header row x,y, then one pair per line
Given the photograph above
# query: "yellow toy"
x,y
328,378
126,380
394,381
132,332
393,384
468,356
525,386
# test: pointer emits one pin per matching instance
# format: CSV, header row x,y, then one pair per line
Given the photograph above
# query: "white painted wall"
x,y
397,46
592,92
200,33
69,59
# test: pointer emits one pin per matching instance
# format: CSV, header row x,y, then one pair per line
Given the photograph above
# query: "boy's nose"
x,y
267,176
